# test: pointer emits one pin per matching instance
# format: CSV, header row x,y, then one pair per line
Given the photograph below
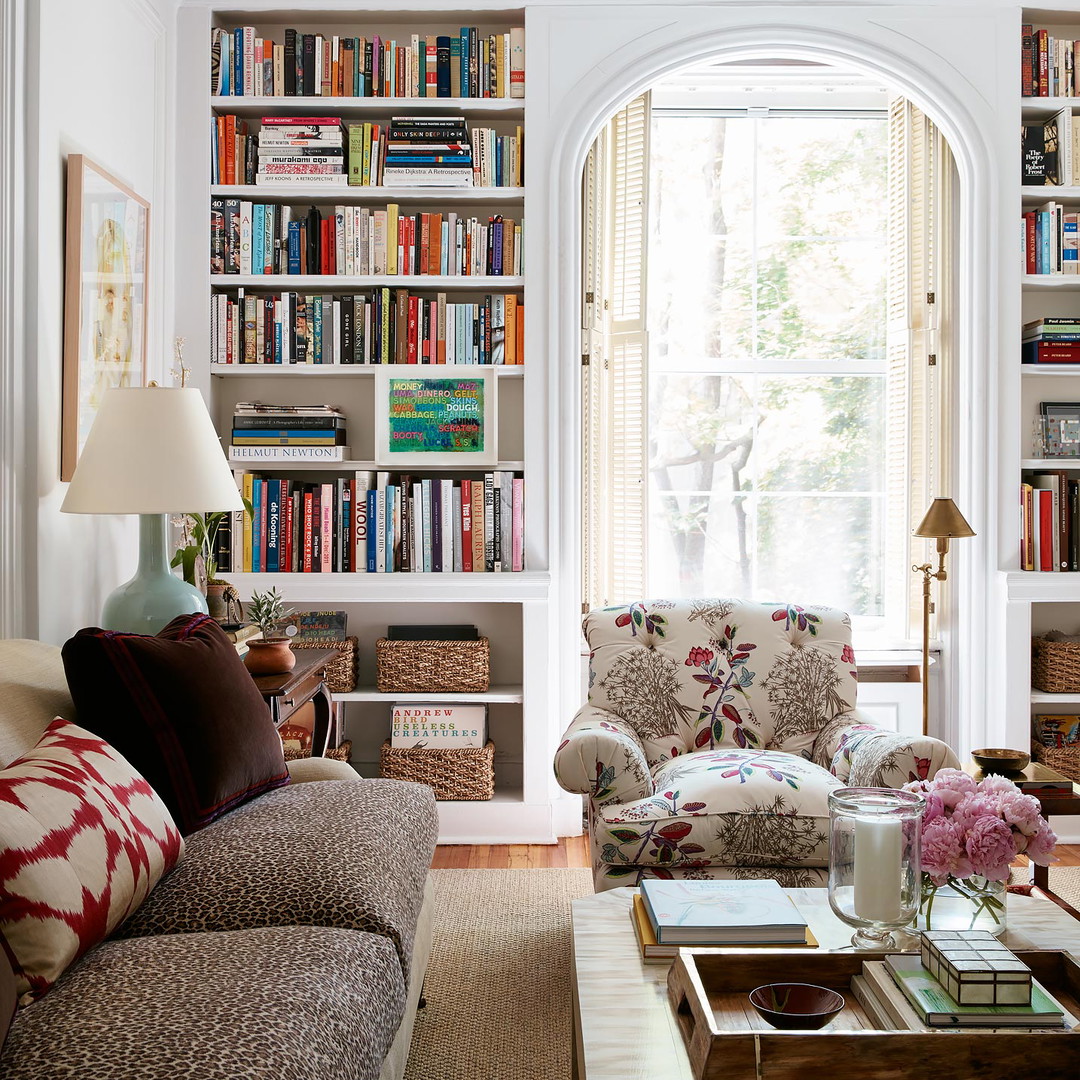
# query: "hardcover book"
x,y
438,726
721,912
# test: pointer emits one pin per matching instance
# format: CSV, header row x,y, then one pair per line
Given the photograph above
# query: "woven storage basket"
x,y
1065,759
1055,666
340,672
423,667
466,773
335,753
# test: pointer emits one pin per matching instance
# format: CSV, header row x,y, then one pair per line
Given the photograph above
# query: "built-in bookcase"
x,y
1039,600
511,609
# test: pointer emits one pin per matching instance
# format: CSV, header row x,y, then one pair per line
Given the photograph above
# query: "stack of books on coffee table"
x,y
669,915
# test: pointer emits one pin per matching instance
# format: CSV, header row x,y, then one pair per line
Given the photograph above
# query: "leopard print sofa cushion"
x,y
352,854
295,1003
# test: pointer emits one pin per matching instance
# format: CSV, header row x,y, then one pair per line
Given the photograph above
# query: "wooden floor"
x,y
572,851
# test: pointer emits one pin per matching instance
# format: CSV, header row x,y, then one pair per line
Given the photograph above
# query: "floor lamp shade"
x,y
151,451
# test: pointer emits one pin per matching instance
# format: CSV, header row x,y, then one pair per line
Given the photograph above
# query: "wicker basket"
x,y
424,667
1055,666
466,773
340,672
335,753
1065,759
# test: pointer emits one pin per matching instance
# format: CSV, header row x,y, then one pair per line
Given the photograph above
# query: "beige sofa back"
x,y
33,692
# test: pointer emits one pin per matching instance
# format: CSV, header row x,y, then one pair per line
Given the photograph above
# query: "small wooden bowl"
x,y
801,1006
1000,761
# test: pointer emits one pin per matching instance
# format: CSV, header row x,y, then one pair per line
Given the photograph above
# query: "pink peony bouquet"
x,y
971,828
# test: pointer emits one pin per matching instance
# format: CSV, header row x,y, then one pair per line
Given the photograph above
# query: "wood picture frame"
x,y
105,294
435,415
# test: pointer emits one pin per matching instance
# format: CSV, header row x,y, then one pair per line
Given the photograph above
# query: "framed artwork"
x,y
427,419
1062,428
105,265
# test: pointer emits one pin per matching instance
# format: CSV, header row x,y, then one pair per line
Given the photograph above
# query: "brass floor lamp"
x,y
943,522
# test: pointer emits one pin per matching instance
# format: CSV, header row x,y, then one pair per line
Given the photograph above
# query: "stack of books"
x,y
287,433
428,151
899,994
301,150
1051,341
668,915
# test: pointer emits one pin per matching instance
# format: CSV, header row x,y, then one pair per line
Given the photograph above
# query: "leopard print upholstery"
x,y
351,854
295,1003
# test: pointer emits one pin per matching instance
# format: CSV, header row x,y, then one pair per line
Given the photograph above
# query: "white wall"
x,y
99,84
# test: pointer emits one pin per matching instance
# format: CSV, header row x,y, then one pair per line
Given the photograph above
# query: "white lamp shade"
x,y
152,450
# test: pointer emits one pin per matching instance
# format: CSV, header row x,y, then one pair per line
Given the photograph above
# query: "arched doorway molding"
x,y
964,113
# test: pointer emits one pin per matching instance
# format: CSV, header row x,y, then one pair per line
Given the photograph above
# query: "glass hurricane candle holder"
x,y
874,871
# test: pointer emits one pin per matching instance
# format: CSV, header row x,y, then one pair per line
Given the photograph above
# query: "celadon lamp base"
x,y
155,595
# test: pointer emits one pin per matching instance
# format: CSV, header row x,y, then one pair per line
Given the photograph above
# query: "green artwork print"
x,y
436,416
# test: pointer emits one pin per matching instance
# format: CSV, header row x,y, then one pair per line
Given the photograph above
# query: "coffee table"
x,y
624,1027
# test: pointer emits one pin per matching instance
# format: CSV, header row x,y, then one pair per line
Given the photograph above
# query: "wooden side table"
x,y
286,693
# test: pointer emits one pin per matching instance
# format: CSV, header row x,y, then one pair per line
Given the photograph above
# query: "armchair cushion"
x,y
723,807
601,756
863,755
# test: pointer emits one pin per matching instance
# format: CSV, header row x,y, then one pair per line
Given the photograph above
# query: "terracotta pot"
x,y
272,656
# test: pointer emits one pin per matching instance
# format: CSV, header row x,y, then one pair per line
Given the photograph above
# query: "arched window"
x,y
763,342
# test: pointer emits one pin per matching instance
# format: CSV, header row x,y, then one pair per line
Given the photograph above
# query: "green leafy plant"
x,y
199,538
266,610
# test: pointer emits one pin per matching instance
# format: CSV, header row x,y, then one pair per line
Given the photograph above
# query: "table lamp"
x,y
943,522
151,451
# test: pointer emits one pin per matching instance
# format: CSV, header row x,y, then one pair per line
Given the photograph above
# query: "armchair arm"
x,y
600,756
863,755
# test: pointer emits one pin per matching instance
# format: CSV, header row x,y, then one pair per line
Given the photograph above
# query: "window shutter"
x,y
916,348
616,346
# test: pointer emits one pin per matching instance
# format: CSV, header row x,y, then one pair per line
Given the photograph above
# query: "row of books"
x,y
237,154
256,424
1049,520
265,238
899,994
465,63
1050,240
384,326
1050,153
1048,67
1051,340
378,523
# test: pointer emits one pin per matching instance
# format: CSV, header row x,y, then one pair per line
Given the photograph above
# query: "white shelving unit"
x,y
512,610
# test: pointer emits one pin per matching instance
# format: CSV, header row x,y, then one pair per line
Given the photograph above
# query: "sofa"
x,y
289,941
713,733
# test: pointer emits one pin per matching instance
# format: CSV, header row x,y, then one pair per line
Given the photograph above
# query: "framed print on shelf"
x,y
423,418
105,265
1061,422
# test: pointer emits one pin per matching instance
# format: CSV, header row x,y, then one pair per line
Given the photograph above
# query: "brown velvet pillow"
x,y
182,708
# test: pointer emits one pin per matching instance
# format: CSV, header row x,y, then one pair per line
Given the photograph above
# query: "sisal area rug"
x,y
1064,880
498,986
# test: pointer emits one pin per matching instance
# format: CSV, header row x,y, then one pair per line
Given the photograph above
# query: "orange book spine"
x,y
520,333
510,336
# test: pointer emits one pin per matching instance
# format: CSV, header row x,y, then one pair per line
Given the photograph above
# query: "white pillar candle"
x,y
878,844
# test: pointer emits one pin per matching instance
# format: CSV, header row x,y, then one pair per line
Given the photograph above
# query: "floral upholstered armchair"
x,y
713,733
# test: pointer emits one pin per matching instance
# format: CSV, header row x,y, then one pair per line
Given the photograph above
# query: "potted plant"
x,y
272,654
198,561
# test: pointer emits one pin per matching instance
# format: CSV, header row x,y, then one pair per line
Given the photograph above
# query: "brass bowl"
x,y
1002,762
796,1006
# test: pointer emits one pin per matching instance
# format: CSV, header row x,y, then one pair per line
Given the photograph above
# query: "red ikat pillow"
x,y
83,840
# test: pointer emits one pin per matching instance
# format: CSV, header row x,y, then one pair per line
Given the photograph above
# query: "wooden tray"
x,y
727,1040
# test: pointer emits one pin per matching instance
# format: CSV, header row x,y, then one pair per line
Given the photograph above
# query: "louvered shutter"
x,y
615,381
916,346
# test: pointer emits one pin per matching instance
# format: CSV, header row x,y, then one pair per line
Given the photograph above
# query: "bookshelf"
x,y
1038,601
511,609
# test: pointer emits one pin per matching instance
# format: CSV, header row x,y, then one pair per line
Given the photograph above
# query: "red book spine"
x,y
413,318
1046,529
1044,63
1030,261
425,243
324,246
309,507
466,526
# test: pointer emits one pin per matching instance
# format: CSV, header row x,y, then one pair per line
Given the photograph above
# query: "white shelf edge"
x,y
340,283
240,370
1050,281
330,105
435,588
1050,463
371,193
368,466
512,695
1043,586
1038,697
1050,191
1050,369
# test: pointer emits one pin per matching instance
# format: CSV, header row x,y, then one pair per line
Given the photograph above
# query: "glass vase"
x,y
874,872
971,903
